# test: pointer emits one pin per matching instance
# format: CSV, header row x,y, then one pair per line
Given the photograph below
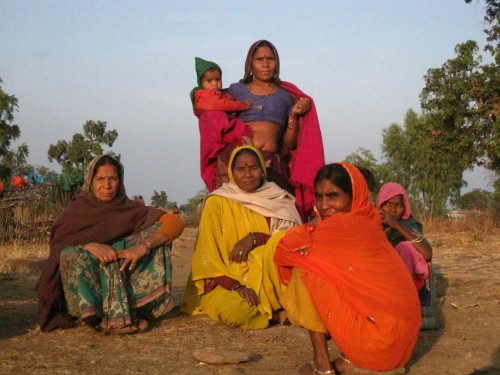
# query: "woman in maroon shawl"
x,y
109,261
283,124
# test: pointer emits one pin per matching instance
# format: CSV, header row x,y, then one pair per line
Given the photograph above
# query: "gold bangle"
x,y
293,124
416,240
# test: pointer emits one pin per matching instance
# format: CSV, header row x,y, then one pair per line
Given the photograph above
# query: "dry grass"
x,y
22,258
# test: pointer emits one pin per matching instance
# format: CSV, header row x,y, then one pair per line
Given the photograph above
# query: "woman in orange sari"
x,y
345,280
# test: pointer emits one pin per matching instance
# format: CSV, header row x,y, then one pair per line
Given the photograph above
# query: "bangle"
x,y
147,245
293,124
417,240
237,287
254,238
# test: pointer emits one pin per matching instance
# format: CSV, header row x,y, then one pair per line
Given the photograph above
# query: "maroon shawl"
x,y
83,221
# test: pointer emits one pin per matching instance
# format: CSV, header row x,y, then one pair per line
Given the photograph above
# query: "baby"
x,y
208,95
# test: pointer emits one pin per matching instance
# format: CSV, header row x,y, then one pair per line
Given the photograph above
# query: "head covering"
x,y
248,77
201,66
90,170
257,153
390,190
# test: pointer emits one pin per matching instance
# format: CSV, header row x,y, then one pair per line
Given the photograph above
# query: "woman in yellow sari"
x,y
234,280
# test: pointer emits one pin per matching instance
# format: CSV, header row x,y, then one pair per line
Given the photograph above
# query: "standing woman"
x,y
109,262
345,280
282,122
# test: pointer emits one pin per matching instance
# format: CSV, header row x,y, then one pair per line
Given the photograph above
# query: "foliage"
x,y
77,153
191,208
476,199
426,164
160,199
9,132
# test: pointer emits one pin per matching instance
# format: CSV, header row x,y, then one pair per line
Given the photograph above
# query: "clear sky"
x,y
131,64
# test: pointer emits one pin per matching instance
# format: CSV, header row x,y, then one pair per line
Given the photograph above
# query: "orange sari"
x,y
357,283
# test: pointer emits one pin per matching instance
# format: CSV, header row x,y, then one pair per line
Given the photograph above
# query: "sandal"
x,y
326,372
281,317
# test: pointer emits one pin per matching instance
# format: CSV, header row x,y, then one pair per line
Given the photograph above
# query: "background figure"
x,y
404,231
234,280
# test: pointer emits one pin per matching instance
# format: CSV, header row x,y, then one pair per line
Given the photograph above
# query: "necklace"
x,y
260,106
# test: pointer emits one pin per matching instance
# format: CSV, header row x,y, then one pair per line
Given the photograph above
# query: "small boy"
x,y
208,95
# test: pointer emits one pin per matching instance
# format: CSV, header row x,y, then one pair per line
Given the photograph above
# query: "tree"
x,y
190,209
9,132
159,199
425,163
77,153
476,199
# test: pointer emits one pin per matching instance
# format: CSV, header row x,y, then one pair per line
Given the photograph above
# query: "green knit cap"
x,y
201,67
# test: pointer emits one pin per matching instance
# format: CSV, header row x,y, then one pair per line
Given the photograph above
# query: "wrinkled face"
x,y
394,207
330,199
247,173
105,183
264,64
211,80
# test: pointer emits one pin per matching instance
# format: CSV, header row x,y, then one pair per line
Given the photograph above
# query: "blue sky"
x,y
131,64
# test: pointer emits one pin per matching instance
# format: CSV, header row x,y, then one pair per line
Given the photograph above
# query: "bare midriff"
x,y
265,135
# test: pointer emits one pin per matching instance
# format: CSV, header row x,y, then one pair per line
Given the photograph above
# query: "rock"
x,y
221,356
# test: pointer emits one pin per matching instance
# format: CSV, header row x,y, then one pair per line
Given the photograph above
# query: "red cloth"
x,y
216,132
212,100
17,182
357,283
308,157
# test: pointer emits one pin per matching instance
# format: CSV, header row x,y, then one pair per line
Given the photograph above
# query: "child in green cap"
x,y
208,95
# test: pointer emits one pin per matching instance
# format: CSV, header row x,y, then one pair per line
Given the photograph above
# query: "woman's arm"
x,y
301,107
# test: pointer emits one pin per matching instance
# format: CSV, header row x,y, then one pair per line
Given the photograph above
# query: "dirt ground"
x,y
466,269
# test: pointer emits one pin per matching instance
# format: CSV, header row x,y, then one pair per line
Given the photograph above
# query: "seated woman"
x,y
345,280
404,231
282,122
233,277
109,261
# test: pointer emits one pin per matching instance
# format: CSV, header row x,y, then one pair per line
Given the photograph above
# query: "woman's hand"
x,y
388,220
302,106
248,295
103,253
131,256
240,252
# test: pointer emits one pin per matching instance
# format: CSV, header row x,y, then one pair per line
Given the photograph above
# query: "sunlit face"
x,y
211,80
105,183
264,64
394,207
247,173
330,199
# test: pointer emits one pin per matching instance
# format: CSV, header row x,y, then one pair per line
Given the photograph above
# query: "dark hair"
x,y
369,178
337,175
106,159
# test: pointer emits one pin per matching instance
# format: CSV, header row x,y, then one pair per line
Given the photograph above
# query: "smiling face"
x,y
264,64
394,207
246,171
330,199
212,80
105,183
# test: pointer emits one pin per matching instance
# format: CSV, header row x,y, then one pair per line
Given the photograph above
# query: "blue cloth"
x,y
273,108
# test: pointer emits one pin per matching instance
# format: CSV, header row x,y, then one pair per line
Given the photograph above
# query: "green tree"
x,y
424,162
476,199
77,153
190,209
9,132
159,199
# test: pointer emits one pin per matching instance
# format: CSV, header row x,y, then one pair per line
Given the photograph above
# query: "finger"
x,y
125,264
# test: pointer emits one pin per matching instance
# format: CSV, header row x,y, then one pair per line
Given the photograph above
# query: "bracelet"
x,y
293,124
147,245
417,240
237,287
254,238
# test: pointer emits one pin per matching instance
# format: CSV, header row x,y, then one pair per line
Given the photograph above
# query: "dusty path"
x,y
467,273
